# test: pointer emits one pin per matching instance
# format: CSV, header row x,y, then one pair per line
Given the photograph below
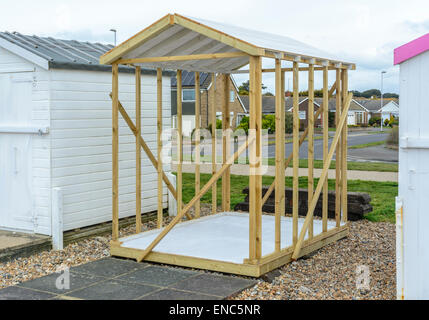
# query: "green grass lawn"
x,y
366,145
382,193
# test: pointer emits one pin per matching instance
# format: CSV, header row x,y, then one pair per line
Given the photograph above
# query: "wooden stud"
x,y
214,142
280,154
255,157
323,176
325,148
115,153
197,141
344,85
310,126
226,146
179,142
338,151
206,56
159,146
138,153
295,193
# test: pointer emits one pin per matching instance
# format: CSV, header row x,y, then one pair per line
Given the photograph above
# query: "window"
x,y
231,96
188,95
302,115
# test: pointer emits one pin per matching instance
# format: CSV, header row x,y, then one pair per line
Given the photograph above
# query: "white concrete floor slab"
x,y
223,237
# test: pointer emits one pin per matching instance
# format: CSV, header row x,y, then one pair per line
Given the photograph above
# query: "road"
x,y
378,153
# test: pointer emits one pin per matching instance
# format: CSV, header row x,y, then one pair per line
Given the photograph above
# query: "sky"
x,y
361,31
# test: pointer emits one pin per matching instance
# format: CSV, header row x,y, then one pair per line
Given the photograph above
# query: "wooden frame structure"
x,y
157,46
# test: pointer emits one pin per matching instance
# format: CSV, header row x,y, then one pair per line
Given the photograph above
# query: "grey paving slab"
x,y
157,275
19,293
49,283
108,267
173,294
214,285
113,290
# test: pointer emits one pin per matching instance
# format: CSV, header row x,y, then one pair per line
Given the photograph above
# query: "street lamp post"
x,y
381,101
114,32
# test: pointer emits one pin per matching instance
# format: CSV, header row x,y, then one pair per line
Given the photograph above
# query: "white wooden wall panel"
x,y
81,144
414,177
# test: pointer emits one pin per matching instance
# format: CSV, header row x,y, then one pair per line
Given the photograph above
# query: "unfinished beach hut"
x,y
412,219
55,135
241,243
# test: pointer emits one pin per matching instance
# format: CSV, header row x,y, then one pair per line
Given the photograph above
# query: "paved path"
x,y
243,170
117,279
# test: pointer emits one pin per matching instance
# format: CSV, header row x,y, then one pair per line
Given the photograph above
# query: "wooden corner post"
x,y
213,122
344,85
338,100
138,153
295,193
179,142
280,154
226,145
255,155
159,144
310,126
197,141
115,153
325,147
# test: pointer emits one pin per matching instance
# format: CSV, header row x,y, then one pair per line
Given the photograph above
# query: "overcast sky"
x,y
360,31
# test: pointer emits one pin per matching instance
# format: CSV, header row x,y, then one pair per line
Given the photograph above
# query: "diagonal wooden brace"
x,y
301,141
198,196
341,126
149,153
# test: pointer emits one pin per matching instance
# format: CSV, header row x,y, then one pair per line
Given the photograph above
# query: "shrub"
x,y
218,124
393,138
288,122
374,121
331,119
269,123
244,124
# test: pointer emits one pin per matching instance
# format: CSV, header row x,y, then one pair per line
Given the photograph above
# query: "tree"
x,y
244,88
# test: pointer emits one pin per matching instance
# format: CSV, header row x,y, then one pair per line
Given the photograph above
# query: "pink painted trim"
x,y
411,49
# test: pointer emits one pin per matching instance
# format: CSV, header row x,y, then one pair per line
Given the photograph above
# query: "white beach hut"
x,y
412,203
55,135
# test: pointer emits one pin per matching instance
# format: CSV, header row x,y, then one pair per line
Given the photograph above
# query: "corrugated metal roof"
x,y
65,54
188,80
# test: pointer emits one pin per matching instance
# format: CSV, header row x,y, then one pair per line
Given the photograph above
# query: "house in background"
x,y
207,88
56,136
374,108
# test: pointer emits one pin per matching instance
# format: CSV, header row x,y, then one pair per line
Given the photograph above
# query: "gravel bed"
x,y
331,272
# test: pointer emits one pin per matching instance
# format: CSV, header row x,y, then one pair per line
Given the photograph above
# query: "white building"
x,y
412,219
55,132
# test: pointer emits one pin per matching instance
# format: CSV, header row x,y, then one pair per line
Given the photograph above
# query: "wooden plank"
x,y
301,140
198,196
273,70
179,185
338,163
255,157
205,56
115,153
226,145
280,154
295,193
344,82
323,176
213,122
310,126
159,144
138,153
325,148
197,142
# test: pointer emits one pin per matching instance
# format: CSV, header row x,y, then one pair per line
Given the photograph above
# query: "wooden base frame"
x,y
257,269
255,264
